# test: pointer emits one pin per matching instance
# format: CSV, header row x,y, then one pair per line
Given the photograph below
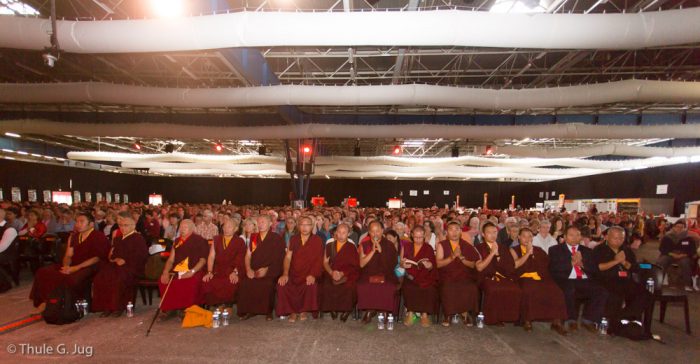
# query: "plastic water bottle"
x,y
480,320
224,315
380,321
79,307
604,326
390,322
455,319
215,319
650,285
85,307
130,309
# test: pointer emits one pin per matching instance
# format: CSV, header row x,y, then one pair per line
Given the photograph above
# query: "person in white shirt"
x,y
7,235
543,239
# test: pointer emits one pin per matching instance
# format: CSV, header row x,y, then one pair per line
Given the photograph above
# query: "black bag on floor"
x,y
60,307
5,283
632,330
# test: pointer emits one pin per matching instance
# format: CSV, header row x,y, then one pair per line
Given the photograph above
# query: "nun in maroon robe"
x,y
184,290
340,295
113,286
542,299
419,287
459,293
300,294
228,261
498,281
377,286
84,250
264,266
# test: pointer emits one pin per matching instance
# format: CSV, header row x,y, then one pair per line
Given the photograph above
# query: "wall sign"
x,y
31,195
661,189
47,195
16,194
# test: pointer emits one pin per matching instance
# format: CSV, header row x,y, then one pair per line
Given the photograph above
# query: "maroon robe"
x,y
501,293
256,295
341,297
185,292
378,296
543,299
46,279
113,286
219,289
307,260
420,293
458,289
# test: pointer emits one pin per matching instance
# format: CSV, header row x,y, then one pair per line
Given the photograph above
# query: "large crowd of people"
x,y
505,266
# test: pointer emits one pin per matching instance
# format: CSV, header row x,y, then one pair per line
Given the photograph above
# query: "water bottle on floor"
x,y
455,319
650,285
130,309
390,322
480,320
79,307
84,304
215,319
380,321
604,326
225,317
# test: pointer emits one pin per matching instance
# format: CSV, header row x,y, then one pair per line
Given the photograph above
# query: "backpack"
x,y
632,330
60,307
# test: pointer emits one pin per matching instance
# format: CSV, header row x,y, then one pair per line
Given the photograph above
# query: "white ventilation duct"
x,y
610,149
391,28
165,130
523,169
304,95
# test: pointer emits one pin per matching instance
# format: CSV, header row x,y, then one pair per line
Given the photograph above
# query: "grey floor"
x,y
326,341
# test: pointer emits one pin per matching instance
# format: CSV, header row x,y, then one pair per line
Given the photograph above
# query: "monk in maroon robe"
x,y
84,250
297,288
263,262
377,286
456,260
113,286
498,282
186,265
341,265
542,299
225,267
420,293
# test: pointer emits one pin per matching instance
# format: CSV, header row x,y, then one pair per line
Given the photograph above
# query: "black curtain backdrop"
x,y
683,185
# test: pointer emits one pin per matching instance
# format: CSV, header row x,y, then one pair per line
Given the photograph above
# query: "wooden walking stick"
x,y
162,299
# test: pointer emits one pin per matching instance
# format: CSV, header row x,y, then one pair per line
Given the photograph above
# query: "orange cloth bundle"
x,y
197,316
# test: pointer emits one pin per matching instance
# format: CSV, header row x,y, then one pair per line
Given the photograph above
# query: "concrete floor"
x,y
326,341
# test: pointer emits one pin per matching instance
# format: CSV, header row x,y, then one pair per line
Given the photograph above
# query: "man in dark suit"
x,y
572,266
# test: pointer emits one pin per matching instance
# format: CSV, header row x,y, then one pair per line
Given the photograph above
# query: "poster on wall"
x,y
2,195
155,200
108,197
446,192
126,198
661,189
47,195
62,197
117,197
16,194
98,197
88,196
76,196
31,195
426,192
413,192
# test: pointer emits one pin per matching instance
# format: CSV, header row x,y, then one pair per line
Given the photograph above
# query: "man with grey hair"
x,y
207,229
544,239
503,234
